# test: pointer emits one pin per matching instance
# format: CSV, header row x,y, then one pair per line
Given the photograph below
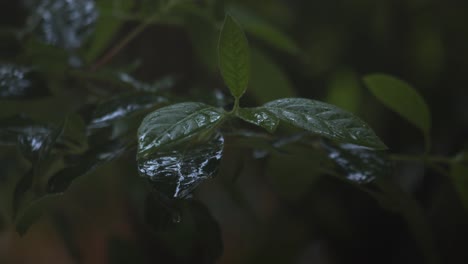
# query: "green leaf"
x,y
264,31
259,116
72,138
268,81
33,212
401,98
459,175
177,171
18,82
175,123
325,120
234,58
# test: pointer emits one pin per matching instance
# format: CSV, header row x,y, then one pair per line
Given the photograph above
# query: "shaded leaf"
x,y
358,164
86,163
63,23
268,81
33,212
459,175
18,82
12,127
401,98
264,31
175,123
325,120
233,54
123,106
178,171
259,116
72,138
159,85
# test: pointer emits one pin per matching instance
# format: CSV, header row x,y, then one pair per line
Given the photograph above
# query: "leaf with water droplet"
x,y
259,116
325,120
359,164
176,123
63,23
124,106
234,58
18,82
177,171
12,127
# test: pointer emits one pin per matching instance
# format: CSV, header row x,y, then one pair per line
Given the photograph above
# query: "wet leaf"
x,y
400,97
124,106
18,82
358,164
175,123
325,120
459,175
12,127
86,163
63,23
259,116
176,172
36,142
233,55
264,31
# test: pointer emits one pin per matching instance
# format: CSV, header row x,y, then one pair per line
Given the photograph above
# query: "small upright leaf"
x,y
401,98
259,116
234,58
175,123
326,120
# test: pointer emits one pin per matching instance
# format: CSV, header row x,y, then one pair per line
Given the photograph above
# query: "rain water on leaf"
x,y
177,171
359,164
18,82
63,23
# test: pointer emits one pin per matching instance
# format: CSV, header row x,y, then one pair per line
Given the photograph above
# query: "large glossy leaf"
x,y
233,54
18,82
259,116
459,175
178,171
124,106
175,123
63,23
326,120
401,98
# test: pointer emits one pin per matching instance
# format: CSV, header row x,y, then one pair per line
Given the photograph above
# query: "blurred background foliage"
x,y
85,72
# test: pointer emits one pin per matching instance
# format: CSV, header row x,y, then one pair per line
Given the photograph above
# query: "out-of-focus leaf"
x,y
264,31
157,86
204,38
234,57
401,98
259,116
344,91
459,175
63,23
12,127
36,142
65,229
268,81
358,164
21,190
190,232
106,26
325,120
17,82
124,106
33,212
292,172
72,138
178,171
175,123
86,163
123,252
